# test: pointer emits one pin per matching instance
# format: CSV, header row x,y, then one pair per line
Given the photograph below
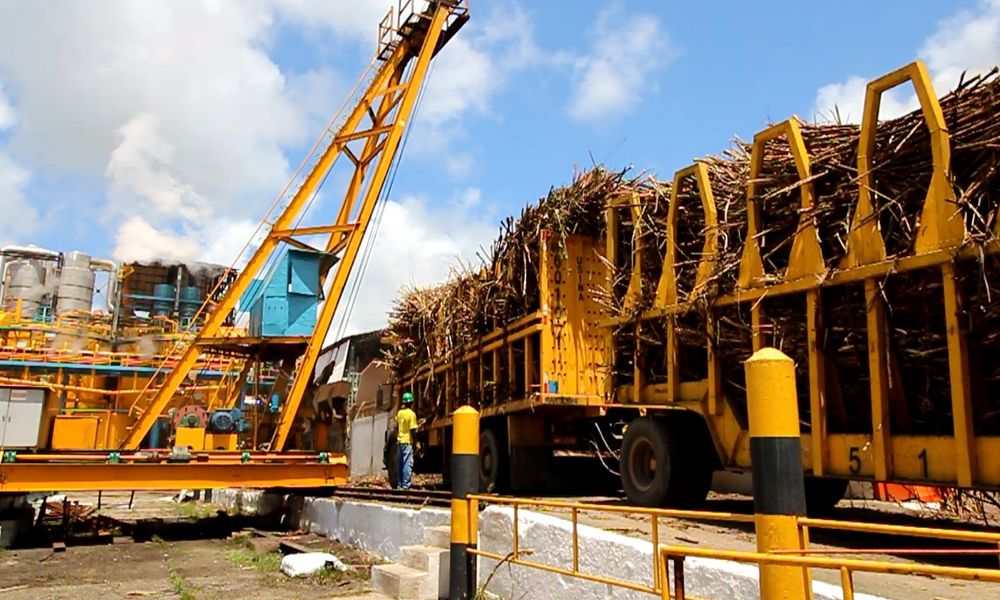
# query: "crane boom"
x,y
387,105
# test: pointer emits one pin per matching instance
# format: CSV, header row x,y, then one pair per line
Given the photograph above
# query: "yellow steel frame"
x,y
881,455
40,477
389,101
568,269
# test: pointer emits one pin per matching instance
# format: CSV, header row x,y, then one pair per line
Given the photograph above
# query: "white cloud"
x,y
6,111
225,241
137,240
354,19
200,68
22,217
470,197
967,41
846,101
177,104
139,169
468,75
626,50
460,164
414,246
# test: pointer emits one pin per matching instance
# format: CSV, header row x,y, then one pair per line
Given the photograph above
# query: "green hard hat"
x,y
407,397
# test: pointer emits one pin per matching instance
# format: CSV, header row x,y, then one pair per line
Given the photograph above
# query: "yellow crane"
x,y
369,137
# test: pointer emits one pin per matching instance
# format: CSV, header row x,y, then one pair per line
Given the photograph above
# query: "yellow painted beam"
x,y
961,385
27,478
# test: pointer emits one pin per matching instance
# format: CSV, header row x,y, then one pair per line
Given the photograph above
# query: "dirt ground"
x,y
218,567
190,570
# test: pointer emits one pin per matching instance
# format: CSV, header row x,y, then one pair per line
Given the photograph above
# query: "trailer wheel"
x,y
656,471
822,494
492,463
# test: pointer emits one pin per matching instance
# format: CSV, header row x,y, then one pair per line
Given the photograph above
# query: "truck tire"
x,y
822,494
494,465
656,471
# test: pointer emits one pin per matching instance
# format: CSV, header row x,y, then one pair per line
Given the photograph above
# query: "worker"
x,y
406,436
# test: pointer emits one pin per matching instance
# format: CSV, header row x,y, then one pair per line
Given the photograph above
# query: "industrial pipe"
x,y
24,252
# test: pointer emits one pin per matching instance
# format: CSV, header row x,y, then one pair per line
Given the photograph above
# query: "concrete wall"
x,y
382,529
367,440
377,528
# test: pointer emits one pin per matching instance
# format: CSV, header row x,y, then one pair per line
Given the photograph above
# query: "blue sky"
x,y
167,129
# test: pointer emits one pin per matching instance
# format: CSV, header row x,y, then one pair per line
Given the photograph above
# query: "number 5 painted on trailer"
x,y
855,458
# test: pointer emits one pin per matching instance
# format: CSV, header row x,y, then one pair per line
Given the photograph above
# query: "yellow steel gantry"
x,y
369,137
387,104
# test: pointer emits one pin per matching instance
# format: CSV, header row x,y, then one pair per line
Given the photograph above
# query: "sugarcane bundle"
x,y
427,324
901,171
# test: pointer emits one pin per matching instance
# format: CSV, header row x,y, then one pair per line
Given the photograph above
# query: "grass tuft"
x,y
265,562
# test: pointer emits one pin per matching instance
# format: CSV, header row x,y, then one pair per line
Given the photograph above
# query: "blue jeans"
x,y
404,465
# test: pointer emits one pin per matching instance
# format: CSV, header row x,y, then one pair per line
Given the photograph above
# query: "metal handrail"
x,y
846,566
663,553
655,514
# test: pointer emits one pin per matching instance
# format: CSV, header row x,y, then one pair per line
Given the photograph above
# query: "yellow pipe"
x,y
868,566
660,512
907,530
88,390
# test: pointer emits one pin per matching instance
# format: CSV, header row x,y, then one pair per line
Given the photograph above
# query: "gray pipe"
x,y
24,252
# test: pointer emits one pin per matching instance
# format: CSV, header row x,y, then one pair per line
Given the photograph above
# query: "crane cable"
x,y
380,210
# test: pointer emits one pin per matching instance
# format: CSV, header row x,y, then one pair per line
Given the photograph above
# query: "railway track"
x,y
438,498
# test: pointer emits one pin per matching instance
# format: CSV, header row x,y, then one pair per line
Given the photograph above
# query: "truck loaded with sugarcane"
x,y
607,327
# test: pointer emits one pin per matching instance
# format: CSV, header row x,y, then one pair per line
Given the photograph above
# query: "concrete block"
x,y
434,561
438,537
403,583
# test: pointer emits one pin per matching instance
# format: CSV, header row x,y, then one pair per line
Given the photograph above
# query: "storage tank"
x,y
190,301
27,282
76,284
164,299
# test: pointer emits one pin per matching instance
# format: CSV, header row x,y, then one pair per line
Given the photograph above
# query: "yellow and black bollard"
x,y
464,512
779,495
